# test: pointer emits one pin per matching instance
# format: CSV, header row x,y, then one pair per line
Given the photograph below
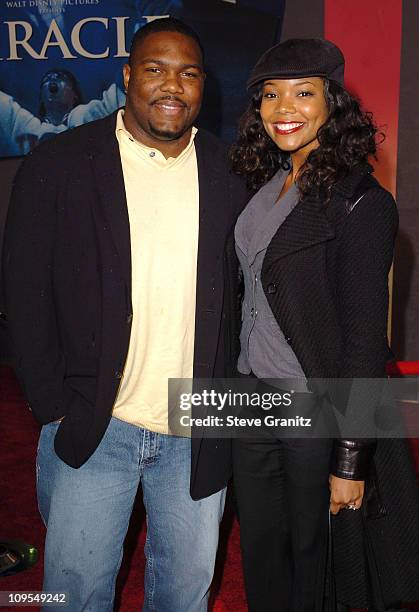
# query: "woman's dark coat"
x,y
325,275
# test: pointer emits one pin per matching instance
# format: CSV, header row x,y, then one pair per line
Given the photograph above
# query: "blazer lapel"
x,y
213,227
212,212
112,203
310,222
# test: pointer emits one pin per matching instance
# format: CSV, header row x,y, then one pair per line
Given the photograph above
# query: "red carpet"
x,y
19,518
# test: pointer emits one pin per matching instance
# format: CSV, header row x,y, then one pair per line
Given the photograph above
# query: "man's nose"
x,y
172,83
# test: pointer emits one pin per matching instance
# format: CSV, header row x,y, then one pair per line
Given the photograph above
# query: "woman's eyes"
x,y
301,94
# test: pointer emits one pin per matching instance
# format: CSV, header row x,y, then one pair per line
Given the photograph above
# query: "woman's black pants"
x,y
283,499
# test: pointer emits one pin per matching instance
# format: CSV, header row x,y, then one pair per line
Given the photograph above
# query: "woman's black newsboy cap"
x,y
299,57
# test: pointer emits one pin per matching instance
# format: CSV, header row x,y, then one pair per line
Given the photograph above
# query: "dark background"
x,y
306,18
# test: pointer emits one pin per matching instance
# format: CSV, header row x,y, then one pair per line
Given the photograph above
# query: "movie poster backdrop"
x,y
61,60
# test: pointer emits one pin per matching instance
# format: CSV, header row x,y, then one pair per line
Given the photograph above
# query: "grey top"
x,y
264,349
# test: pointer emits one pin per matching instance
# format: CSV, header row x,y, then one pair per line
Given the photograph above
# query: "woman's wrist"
x,y
351,459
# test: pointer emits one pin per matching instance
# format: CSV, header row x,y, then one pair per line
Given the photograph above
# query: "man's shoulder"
x,y
75,141
216,163
211,144
54,159
213,155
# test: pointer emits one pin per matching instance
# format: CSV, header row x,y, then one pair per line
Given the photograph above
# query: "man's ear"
x,y
126,71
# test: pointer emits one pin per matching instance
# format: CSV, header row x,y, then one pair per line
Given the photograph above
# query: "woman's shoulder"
x,y
361,196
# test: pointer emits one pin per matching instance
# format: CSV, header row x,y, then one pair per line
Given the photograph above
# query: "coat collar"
x,y
215,216
211,177
305,226
310,223
107,168
347,186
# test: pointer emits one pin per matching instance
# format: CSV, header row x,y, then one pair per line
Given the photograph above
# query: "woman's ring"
x,y
352,507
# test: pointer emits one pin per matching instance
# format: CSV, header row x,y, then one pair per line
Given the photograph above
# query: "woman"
x,y
315,245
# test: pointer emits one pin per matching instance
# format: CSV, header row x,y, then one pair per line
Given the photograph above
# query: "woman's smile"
x,y
287,127
293,111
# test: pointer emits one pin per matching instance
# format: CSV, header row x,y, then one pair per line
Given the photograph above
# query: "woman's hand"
x,y
345,493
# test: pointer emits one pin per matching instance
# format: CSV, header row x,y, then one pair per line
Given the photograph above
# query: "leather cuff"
x,y
351,459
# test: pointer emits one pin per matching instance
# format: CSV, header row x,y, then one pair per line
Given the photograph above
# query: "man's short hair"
x,y
165,24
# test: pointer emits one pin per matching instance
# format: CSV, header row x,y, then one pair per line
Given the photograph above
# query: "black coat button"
x,y
129,318
271,288
118,374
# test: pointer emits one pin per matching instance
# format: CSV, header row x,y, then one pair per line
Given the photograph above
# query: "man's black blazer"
x,y
67,282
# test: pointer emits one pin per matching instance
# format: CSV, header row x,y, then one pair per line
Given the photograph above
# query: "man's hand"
x,y
345,493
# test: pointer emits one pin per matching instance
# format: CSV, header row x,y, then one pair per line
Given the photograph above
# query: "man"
x,y
59,94
113,272
21,131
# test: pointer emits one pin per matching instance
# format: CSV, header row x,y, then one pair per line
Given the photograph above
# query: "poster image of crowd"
x,y
61,60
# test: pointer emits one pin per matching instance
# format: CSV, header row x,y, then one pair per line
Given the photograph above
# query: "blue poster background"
x,y
71,35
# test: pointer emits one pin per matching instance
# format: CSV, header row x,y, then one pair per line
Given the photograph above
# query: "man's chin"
x,y
168,134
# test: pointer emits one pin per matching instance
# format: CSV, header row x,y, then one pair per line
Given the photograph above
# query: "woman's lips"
x,y
289,127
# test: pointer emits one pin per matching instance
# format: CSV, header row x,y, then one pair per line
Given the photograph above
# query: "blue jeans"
x,y
87,511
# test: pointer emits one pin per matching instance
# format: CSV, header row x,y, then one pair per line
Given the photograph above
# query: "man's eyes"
x,y
188,74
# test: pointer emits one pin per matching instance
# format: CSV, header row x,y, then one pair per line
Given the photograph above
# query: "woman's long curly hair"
x,y
347,138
